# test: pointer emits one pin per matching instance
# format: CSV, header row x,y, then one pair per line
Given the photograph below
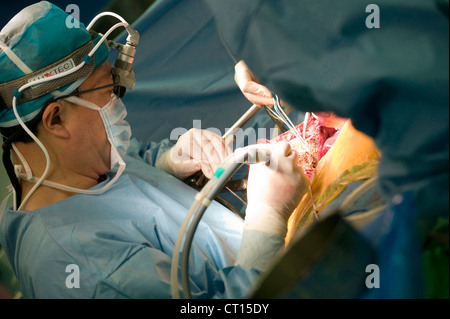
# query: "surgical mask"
x,y
118,132
117,129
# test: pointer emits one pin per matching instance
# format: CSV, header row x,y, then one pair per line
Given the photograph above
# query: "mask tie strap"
x,y
82,102
28,172
67,188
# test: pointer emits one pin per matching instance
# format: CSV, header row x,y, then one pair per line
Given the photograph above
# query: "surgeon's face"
x,y
89,139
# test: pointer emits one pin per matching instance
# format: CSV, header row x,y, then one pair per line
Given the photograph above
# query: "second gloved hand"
x,y
250,85
274,191
195,150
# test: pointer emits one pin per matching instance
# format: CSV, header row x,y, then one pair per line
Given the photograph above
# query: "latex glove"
x,y
274,191
195,150
250,86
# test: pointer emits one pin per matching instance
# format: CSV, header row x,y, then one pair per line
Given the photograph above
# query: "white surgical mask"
x,y
118,132
117,129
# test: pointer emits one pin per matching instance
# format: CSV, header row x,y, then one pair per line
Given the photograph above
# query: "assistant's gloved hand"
x,y
274,191
195,150
250,86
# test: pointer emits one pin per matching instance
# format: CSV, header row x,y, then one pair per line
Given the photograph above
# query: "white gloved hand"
x,y
274,191
195,150
250,86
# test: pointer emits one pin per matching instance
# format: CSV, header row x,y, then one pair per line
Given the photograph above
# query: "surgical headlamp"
x,y
122,69
69,71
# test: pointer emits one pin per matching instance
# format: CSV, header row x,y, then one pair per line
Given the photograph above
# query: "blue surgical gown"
x,y
122,240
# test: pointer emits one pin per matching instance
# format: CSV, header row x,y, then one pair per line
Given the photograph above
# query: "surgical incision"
x,y
311,141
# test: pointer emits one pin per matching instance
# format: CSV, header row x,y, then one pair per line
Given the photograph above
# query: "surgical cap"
x,y
41,37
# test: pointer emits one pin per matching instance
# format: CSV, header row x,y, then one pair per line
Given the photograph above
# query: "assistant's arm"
x,y
274,191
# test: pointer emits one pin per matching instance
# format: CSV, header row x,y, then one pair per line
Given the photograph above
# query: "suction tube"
x,y
247,155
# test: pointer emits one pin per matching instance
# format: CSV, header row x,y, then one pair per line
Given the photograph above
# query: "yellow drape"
x,y
353,157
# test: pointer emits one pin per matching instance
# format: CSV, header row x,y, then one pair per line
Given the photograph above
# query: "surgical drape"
x,y
391,81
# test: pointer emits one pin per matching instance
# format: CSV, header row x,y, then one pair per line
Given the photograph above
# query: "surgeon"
x,y
91,216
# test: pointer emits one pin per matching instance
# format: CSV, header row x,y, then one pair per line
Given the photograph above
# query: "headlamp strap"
x,y
8,89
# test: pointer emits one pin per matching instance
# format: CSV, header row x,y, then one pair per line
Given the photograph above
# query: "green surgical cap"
x,y
46,39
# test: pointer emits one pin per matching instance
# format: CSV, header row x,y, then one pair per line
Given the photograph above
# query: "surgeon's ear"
x,y
54,120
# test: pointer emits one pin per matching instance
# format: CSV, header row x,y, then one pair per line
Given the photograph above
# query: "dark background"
x,y
130,10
